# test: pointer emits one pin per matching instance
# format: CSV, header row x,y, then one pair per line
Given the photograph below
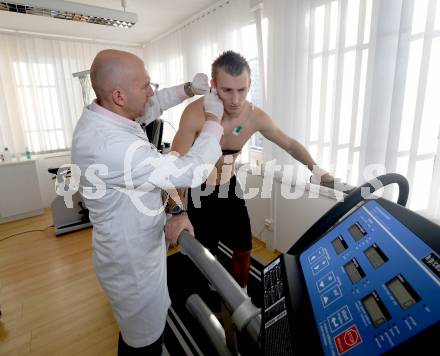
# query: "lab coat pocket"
x,y
146,252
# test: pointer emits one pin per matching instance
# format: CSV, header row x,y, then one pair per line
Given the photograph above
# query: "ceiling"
x,y
155,17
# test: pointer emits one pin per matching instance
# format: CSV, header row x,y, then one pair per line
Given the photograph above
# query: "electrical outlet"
x,y
268,224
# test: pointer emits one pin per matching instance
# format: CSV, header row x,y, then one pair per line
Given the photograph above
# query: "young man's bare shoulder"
x,y
193,115
260,117
196,107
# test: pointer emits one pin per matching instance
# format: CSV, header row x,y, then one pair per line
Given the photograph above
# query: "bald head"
x,y
112,69
120,82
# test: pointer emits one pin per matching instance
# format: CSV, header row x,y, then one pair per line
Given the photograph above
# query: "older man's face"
x,y
139,93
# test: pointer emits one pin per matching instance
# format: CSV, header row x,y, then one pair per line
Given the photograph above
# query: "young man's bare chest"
x,y
238,130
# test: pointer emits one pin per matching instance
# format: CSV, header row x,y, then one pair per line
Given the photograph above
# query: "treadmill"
x,y
363,280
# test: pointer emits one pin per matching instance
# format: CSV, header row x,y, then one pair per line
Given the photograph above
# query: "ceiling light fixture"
x,y
67,10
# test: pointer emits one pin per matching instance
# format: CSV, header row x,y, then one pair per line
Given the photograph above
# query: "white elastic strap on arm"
x,y
168,97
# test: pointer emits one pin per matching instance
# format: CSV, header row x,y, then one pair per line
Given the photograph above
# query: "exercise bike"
x,y
67,219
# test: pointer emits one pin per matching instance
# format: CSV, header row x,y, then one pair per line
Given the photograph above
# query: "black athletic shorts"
x,y
219,213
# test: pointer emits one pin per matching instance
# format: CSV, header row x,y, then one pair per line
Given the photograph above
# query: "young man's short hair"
x,y
231,62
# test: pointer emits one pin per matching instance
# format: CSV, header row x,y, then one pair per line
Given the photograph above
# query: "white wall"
x,y
293,217
290,217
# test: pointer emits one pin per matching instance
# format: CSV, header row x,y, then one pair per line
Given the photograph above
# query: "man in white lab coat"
x,y
122,177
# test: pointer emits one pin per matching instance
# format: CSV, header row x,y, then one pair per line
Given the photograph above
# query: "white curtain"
x,y
286,56
176,57
40,101
357,81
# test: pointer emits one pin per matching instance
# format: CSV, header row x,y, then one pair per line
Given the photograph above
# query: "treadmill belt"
x,y
183,336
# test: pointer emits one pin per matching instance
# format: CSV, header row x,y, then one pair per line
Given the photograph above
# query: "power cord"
x,y
24,232
263,230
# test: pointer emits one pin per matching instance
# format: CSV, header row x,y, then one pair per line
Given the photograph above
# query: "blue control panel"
x,y
372,283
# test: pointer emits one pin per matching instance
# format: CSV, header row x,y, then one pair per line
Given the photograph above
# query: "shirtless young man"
x,y
241,119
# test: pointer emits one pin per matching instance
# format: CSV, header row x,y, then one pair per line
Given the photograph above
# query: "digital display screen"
x,y
375,309
404,294
357,231
375,256
354,271
339,245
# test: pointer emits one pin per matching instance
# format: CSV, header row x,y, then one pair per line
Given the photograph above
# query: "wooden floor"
x,y
50,299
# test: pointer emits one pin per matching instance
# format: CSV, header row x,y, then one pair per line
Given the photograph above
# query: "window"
x,y
168,73
336,83
250,52
39,106
342,37
418,146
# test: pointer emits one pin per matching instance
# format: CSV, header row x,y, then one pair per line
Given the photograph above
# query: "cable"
x,y
259,235
172,126
24,232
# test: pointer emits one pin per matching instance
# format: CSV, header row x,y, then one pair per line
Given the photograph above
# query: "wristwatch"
x,y
188,89
177,210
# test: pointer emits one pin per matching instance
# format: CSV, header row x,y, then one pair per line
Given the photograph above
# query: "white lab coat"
x,y
161,100
129,249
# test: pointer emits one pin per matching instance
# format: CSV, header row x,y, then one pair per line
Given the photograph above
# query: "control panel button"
x,y
325,281
348,339
339,318
319,266
316,255
331,296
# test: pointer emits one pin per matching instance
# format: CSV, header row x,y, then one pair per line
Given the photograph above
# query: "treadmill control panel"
x,y
373,284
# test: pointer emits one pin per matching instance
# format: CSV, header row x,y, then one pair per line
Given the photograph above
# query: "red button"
x,y
348,339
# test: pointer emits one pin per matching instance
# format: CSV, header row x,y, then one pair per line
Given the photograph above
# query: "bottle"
x,y
27,153
6,155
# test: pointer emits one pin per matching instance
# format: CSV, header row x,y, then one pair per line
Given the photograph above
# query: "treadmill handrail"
x,y
222,281
350,201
